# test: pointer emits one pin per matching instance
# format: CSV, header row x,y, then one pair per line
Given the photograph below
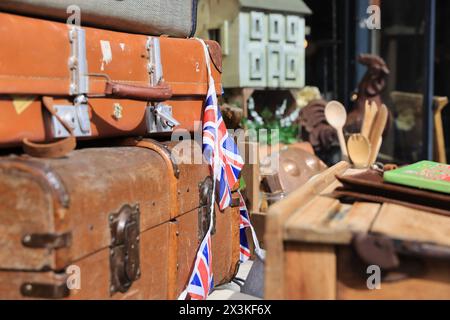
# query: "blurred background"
x,y
281,56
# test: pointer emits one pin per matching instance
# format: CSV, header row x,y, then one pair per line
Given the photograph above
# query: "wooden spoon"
x,y
375,137
336,116
359,150
370,113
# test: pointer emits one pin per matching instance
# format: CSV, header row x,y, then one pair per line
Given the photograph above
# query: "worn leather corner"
x,y
215,52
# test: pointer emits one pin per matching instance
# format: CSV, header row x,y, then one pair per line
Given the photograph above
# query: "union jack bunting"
x,y
219,149
202,280
245,223
222,154
214,138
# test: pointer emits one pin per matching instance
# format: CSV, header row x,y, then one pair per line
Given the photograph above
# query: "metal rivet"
x,y
27,238
28,287
112,289
111,253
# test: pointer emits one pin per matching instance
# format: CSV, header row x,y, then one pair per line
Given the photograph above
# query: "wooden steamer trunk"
x,y
128,219
319,248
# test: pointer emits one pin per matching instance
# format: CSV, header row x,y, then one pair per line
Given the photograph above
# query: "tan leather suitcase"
x,y
97,83
128,220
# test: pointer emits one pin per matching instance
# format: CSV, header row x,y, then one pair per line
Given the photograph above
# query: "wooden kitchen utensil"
x,y
359,150
370,113
336,116
440,155
375,137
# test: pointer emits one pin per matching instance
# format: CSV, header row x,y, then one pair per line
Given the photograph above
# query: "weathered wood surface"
x,y
309,237
404,223
275,221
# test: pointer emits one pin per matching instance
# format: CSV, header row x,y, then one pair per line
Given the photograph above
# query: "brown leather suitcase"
x,y
128,220
97,83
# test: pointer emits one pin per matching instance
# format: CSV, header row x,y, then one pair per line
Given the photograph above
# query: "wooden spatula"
x,y
359,150
370,113
376,133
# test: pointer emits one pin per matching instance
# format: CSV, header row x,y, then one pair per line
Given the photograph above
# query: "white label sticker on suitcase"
x,y
106,52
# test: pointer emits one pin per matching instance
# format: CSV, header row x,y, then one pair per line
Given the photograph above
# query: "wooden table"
x,y
309,240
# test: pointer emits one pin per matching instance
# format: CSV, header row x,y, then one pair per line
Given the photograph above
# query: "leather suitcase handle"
x,y
51,150
161,92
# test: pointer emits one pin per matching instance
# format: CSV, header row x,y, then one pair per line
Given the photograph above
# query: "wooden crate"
x,y
310,239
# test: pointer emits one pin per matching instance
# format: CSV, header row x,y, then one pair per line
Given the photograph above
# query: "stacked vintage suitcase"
x,y
119,218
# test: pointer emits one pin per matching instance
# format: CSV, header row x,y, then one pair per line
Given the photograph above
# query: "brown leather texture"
x,y
37,54
215,52
78,193
126,91
51,150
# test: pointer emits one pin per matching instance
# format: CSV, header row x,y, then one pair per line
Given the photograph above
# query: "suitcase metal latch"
x,y
124,249
77,117
160,119
204,211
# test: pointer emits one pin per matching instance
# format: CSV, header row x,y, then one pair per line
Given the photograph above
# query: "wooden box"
x,y
318,248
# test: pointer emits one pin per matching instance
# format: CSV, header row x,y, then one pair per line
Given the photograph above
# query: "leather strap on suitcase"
x,y
51,150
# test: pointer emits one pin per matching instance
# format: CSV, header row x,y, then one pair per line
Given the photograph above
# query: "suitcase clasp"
x,y
124,249
204,210
75,116
160,119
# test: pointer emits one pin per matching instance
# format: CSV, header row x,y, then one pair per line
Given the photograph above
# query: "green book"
x,y
422,175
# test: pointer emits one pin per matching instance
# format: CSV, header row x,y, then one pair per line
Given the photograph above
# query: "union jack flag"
x,y
245,223
202,280
222,154
219,149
